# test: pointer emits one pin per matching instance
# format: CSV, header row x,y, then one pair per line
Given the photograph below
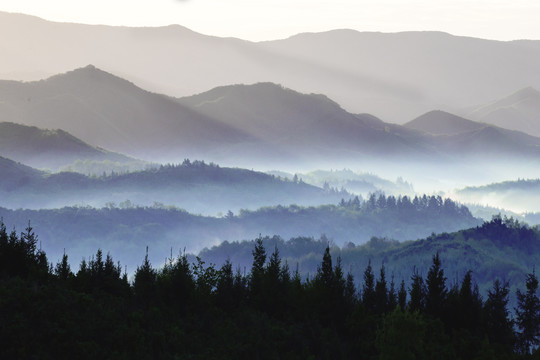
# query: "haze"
x,y
275,19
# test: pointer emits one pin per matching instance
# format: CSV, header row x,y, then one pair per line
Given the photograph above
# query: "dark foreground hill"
x,y
501,248
200,311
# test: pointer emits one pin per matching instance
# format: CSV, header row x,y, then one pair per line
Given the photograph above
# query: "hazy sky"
x,y
272,19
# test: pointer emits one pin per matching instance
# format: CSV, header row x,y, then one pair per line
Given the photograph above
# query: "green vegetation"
x,y
198,311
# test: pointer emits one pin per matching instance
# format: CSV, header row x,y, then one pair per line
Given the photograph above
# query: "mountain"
x,y
246,122
395,76
50,149
455,135
296,122
439,122
263,123
112,113
518,111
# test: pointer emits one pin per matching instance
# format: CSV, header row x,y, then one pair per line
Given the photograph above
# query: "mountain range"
x,y
238,124
395,76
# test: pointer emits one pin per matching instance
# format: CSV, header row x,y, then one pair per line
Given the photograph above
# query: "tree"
x,y
436,288
62,269
145,282
417,292
381,293
498,325
528,315
368,289
402,296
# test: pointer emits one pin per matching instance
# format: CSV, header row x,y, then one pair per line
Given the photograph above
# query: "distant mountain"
x,y
112,113
395,76
49,148
439,122
262,123
519,111
454,135
298,122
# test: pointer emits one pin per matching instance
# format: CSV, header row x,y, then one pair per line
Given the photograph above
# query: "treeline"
x,y
185,310
377,202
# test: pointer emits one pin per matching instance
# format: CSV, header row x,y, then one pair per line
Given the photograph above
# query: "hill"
x,y
195,186
14,175
500,248
50,149
519,111
439,122
127,230
522,196
395,76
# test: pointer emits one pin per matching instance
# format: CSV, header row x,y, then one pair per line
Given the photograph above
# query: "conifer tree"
x,y
435,288
528,315
368,289
498,325
381,293
402,296
417,292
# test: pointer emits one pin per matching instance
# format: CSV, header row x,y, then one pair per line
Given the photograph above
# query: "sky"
x,y
258,20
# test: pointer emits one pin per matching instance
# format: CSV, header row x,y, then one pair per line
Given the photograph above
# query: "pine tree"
x,y
498,325
528,315
417,292
145,282
63,270
436,288
368,289
381,293
402,296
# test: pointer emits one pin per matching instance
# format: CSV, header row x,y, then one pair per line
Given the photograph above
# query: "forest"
x,y
199,311
126,229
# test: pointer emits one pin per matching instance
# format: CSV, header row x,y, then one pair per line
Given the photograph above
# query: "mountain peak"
x,y
438,122
526,93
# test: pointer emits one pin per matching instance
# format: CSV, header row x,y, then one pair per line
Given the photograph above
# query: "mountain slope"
x,y
112,113
295,121
196,187
49,148
439,122
14,175
455,135
518,111
393,76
